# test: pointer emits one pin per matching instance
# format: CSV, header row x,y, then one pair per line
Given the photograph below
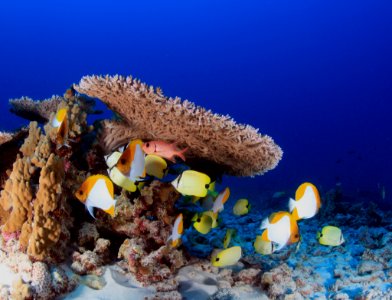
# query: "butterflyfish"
x,y
227,257
280,228
264,247
60,121
307,202
131,162
203,224
213,216
112,159
228,236
330,236
122,181
220,200
165,150
241,207
59,117
192,183
97,191
156,166
178,228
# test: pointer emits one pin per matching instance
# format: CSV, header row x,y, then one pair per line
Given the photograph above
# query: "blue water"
x,y
314,75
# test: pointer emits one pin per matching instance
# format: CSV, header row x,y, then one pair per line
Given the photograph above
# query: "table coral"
x,y
237,148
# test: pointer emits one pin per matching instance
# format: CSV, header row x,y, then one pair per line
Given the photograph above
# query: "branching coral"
x,y
239,149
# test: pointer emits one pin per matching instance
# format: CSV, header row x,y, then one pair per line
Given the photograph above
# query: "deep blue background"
x,y
315,75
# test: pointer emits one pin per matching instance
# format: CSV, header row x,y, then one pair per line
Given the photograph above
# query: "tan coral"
x,y
240,149
31,142
46,228
5,137
17,195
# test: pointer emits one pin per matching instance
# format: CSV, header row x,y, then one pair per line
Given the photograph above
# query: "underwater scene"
x,y
196,149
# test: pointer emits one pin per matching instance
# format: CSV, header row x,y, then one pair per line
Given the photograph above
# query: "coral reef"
x,y
237,149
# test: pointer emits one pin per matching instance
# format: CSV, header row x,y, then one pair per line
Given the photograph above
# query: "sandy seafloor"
x,y
361,268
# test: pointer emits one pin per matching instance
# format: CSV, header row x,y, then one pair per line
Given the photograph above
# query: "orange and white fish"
x,y
220,200
97,191
60,121
163,149
280,228
307,202
178,228
131,162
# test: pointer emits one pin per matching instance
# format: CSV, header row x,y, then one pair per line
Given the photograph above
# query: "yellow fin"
x,y
110,211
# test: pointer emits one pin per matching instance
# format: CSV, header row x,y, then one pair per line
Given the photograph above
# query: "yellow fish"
x,y
330,236
213,216
131,162
203,224
241,207
220,200
192,183
60,121
227,257
227,239
121,180
307,202
264,247
156,166
178,228
97,191
281,228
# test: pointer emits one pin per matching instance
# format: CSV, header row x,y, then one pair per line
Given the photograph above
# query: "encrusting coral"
x,y
238,149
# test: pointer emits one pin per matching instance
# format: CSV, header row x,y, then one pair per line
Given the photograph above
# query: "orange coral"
x,y
239,149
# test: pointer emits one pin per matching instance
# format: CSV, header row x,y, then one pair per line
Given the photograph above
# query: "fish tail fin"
x,y
264,223
292,204
180,153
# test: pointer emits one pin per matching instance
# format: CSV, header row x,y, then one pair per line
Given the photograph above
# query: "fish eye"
x,y
217,259
207,186
147,145
198,220
80,192
123,161
296,235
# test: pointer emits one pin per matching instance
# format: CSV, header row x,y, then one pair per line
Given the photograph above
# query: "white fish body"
x,y
306,206
99,197
278,232
138,163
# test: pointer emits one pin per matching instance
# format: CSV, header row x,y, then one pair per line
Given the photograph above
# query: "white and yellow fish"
x,y
330,236
192,183
220,200
307,202
241,207
280,228
60,121
97,191
178,228
227,257
131,162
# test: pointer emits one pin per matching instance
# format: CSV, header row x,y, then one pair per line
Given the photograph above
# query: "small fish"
x,y
97,191
203,224
213,216
192,183
264,247
228,236
178,228
131,162
307,202
277,195
227,257
330,236
220,200
122,181
60,121
163,149
112,159
281,228
241,207
156,166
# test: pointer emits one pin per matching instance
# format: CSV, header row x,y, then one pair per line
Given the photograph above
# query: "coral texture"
x,y
239,149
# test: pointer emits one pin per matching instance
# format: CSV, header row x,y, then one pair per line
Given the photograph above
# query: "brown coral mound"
x,y
240,149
